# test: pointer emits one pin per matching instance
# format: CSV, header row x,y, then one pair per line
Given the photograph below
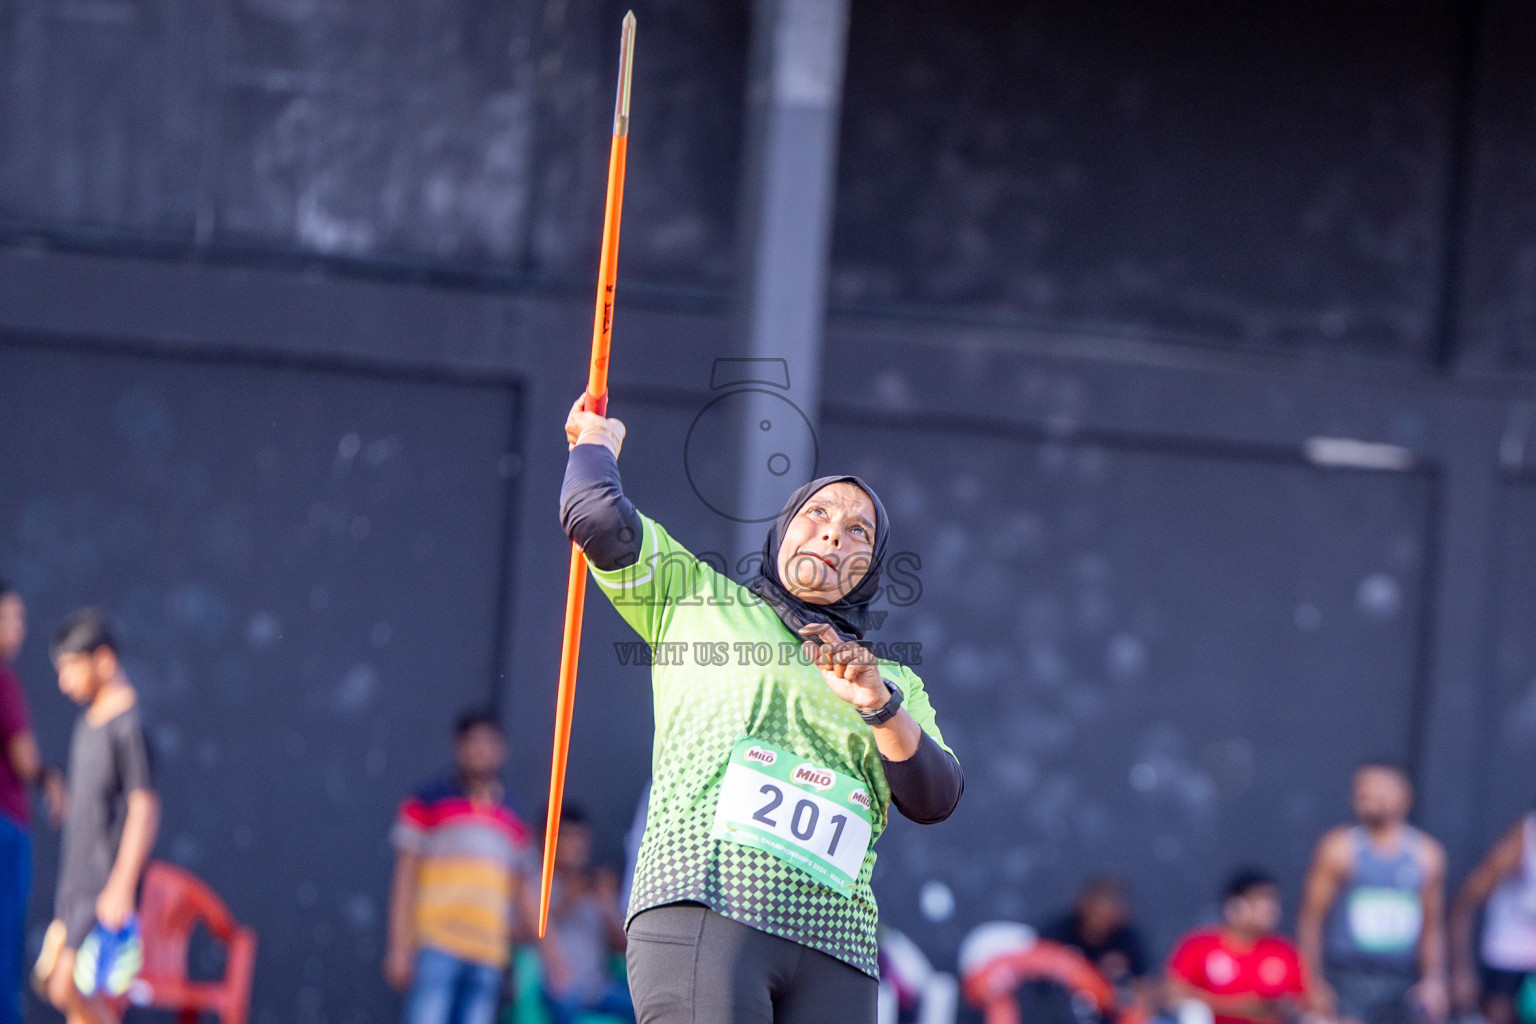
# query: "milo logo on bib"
x,y
819,779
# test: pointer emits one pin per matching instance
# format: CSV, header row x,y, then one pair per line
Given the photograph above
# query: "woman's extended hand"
x,y
849,668
582,427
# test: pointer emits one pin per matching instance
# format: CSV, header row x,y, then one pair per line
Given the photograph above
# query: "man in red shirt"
x,y
1243,971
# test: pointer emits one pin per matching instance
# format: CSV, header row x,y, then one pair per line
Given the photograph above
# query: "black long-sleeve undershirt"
x,y
595,514
925,787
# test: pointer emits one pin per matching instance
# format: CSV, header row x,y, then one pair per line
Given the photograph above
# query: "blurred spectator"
x,y
1242,970
586,931
460,850
1378,891
910,988
21,766
1099,926
111,822
1506,882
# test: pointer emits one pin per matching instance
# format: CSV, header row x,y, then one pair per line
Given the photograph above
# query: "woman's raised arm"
x,y
593,510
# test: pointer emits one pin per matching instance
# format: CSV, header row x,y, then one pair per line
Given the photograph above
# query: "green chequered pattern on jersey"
x,y
702,708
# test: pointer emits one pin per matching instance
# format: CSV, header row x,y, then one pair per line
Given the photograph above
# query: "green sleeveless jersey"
x,y
732,694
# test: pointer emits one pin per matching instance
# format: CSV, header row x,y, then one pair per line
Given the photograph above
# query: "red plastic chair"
x,y
991,987
174,902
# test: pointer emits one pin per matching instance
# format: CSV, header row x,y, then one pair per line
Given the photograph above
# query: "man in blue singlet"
x,y
1372,925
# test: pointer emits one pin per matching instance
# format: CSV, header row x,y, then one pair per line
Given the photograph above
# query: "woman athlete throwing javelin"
x,y
751,901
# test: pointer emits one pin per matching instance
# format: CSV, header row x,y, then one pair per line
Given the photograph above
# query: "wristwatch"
x,y
888,710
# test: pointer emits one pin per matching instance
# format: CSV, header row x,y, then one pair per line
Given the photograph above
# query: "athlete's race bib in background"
x,y
1385,920
808,816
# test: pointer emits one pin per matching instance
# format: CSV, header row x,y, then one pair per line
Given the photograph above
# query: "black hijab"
x,y
849,614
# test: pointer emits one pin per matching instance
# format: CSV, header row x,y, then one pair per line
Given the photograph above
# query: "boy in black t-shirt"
x,y
1099,926
109,829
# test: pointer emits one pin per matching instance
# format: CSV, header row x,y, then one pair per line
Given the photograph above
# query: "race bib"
x,y
808,816
1385,920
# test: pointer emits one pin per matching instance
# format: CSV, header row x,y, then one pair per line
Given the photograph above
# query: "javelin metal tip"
x,y
626,74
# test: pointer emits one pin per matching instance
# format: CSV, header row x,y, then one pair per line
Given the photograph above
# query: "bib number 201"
x,y
802,820
810,817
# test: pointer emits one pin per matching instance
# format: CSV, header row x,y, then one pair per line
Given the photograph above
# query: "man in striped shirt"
x,y
459,854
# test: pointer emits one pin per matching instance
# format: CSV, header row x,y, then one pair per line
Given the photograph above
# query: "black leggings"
x,y
689,965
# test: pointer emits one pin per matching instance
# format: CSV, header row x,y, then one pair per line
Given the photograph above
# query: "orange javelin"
x,y
596,400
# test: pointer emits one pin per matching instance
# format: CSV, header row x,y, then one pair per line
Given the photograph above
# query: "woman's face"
x,y
829,544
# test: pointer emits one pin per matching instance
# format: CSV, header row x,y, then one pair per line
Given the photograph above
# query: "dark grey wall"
x,y
1498,329
1097,276
1509,771
435,138
1271,176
